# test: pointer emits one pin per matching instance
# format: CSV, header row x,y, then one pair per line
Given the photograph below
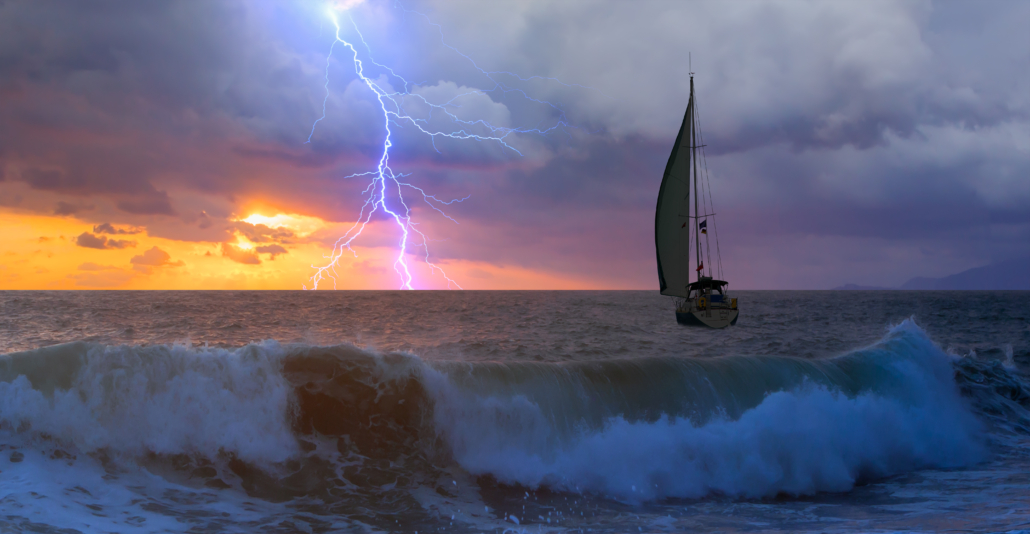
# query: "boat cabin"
x,y
707,287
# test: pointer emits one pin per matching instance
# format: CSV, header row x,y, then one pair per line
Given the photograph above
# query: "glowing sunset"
x,y
503,266
244,142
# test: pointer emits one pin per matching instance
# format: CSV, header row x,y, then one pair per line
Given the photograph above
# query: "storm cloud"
x,y
863,142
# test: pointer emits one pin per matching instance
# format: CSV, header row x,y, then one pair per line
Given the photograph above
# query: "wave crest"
x,y
290,420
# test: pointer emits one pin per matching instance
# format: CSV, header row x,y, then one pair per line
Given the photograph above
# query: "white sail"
x,y
672,215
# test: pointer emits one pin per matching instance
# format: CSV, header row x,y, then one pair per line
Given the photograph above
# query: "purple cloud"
x,y
901,129
89,240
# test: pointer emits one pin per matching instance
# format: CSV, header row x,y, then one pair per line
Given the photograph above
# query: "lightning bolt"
x,y
383,180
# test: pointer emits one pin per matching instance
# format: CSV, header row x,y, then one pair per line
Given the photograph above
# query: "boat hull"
x,y
712,317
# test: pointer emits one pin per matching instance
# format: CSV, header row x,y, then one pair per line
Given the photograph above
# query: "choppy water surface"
x,y
517,411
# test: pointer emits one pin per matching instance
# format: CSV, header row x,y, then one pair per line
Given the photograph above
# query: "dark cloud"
x,y
260,233
65,208
297,157
157,203
89,240
50,180
88,174
896,125
107,228
205,221
134,195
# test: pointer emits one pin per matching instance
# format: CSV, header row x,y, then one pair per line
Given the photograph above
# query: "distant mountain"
x,y
856,287
1008,274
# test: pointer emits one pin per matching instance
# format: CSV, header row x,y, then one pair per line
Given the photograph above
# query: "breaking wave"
x,y
369,431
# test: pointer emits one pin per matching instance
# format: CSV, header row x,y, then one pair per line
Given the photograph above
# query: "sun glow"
x,y
300,224
41,252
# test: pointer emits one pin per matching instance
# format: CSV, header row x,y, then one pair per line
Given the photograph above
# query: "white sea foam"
x,y
39,494
800,441
807,438
164,400
561,390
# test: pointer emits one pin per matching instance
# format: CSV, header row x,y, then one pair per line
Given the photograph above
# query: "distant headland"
x,y
1008,274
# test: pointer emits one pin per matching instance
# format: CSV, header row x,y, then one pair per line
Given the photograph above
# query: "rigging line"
x,y
704,158
693,158
706,249
705,202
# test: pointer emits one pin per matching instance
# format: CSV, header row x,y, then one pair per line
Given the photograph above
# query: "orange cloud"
x,y
260,233
26,262
154,257
272,250
239,255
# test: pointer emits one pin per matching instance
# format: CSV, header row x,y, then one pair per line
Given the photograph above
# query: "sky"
x,y
170,145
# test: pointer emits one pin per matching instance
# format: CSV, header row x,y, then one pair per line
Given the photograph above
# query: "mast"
x,y
693,153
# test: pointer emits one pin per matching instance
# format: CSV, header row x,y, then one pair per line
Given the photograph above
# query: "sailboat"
x,y
681,223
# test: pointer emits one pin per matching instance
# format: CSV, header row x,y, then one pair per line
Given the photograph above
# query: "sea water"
x,y
512,411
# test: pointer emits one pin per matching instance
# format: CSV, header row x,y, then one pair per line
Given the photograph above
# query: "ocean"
x,y
513,411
